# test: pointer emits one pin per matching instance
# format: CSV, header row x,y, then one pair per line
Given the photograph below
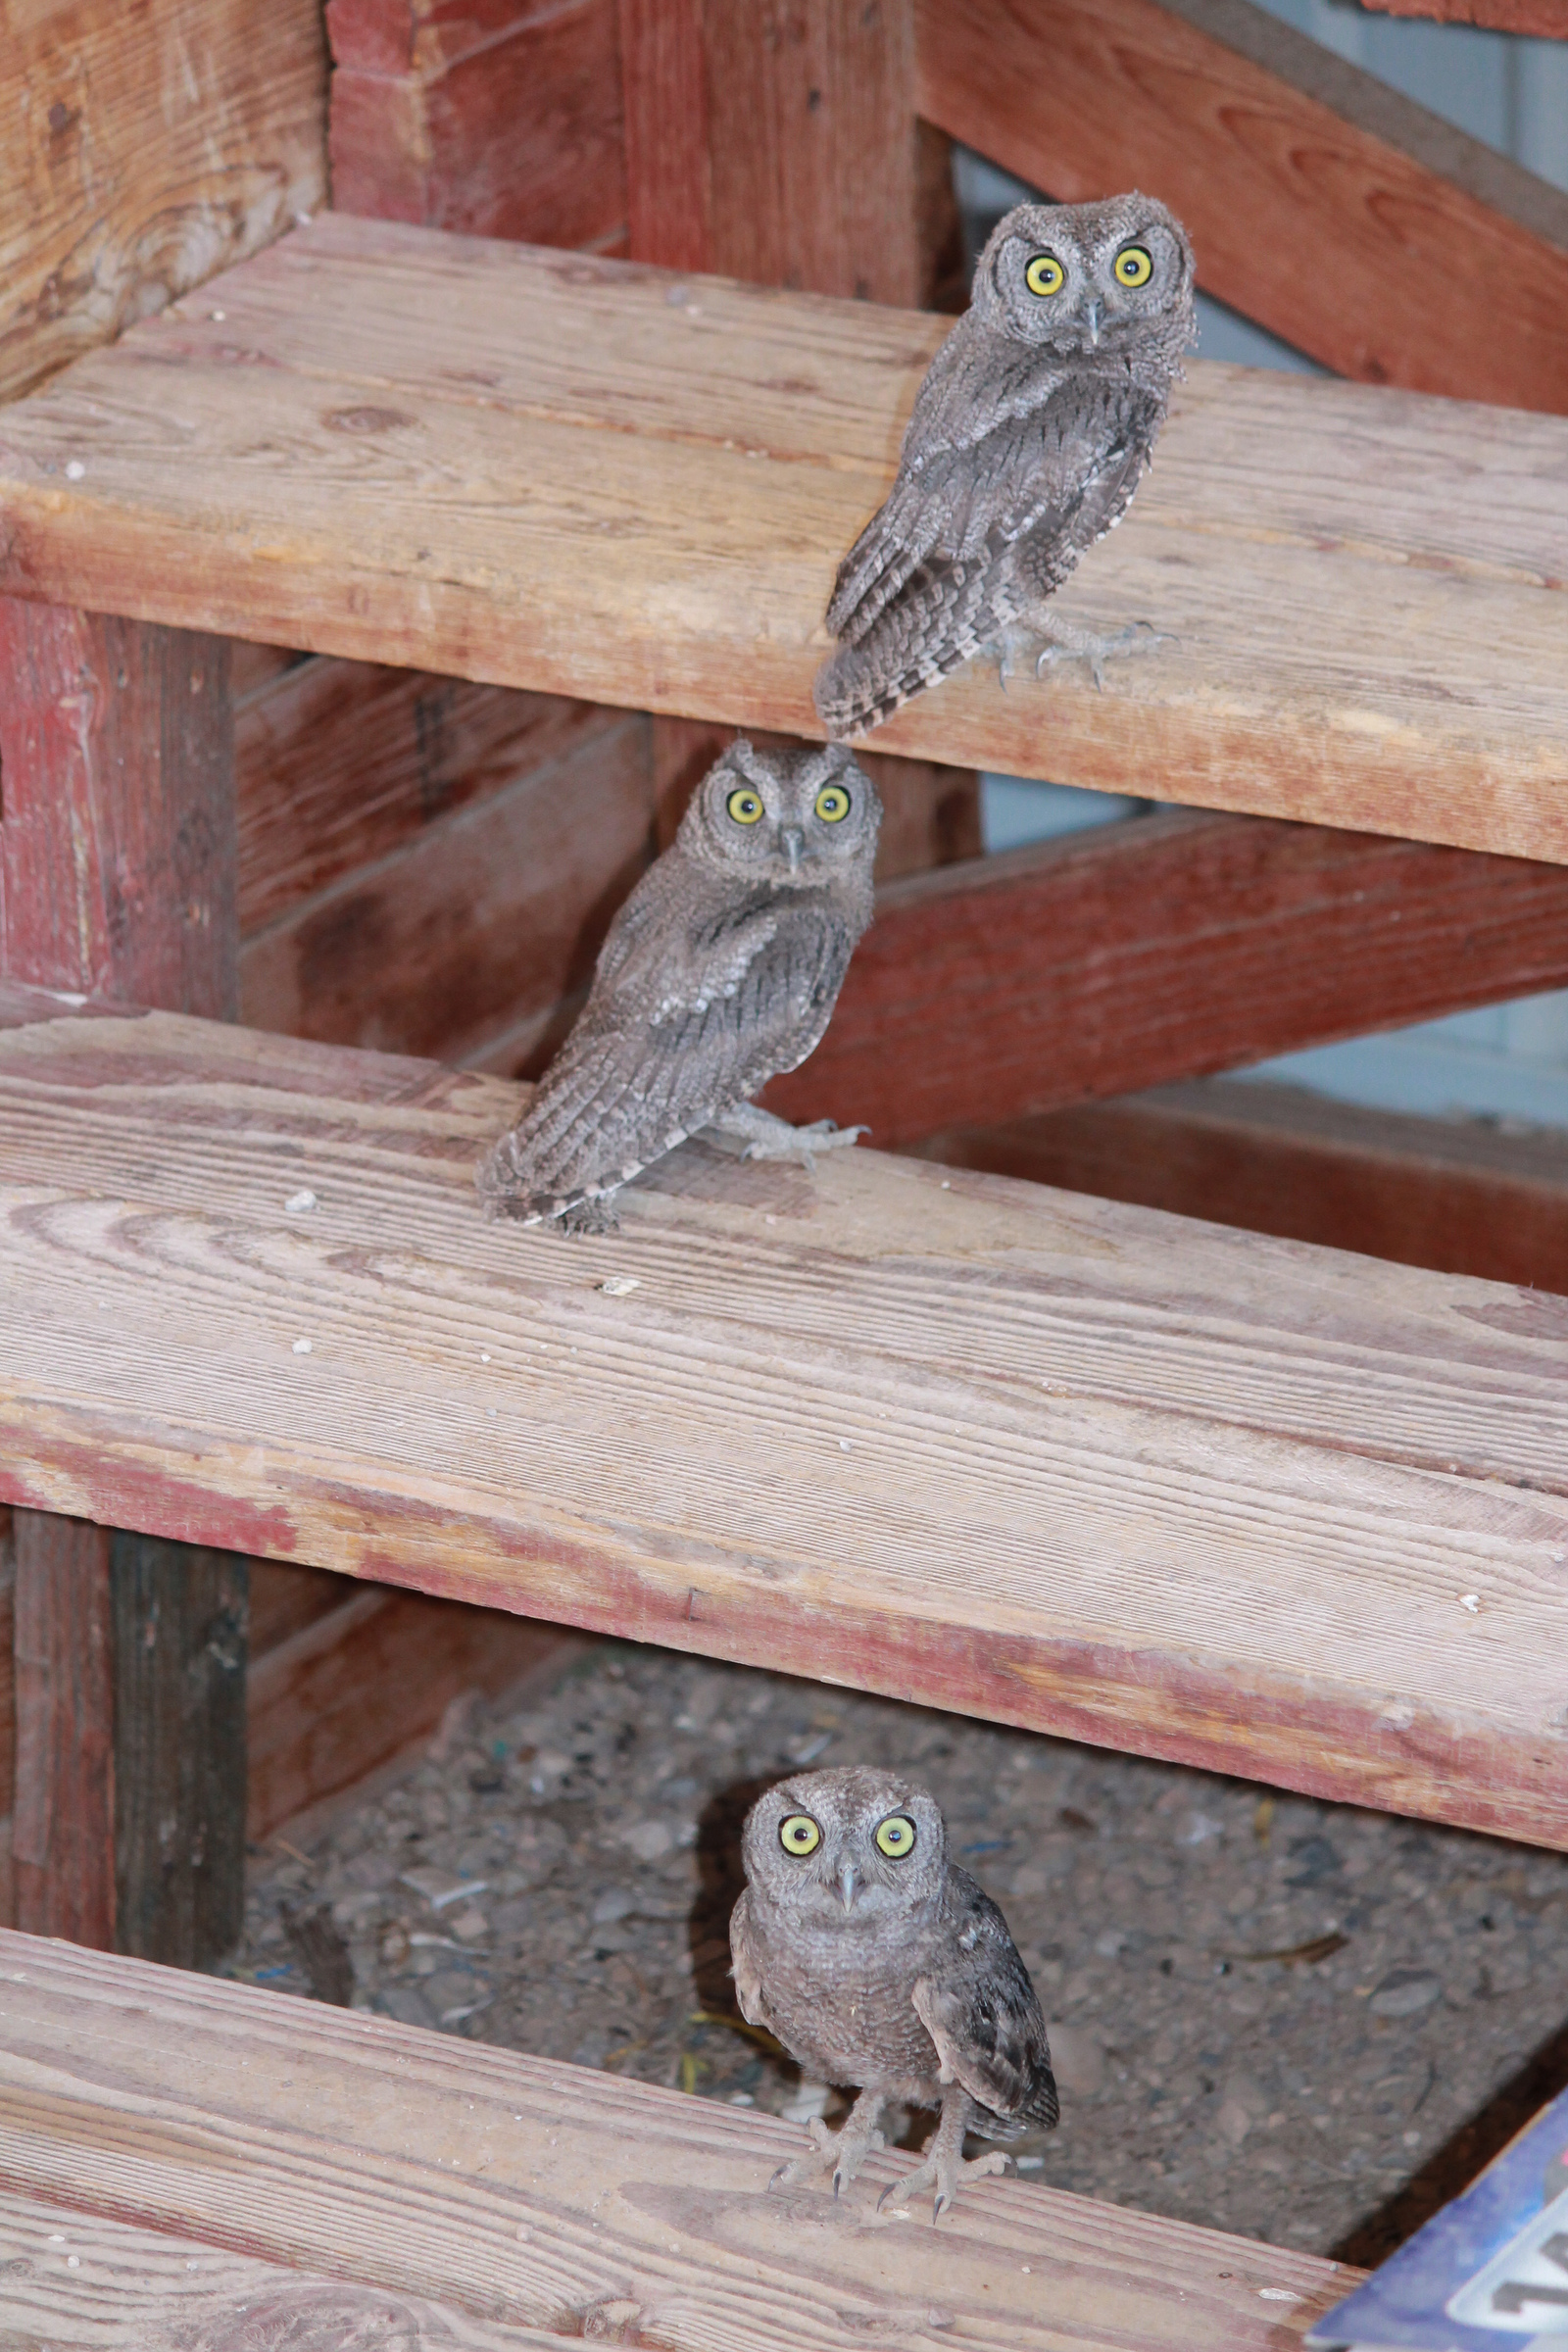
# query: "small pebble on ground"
x,y
1278,2018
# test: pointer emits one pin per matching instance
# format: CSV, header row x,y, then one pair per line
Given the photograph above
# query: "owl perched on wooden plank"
x,y
878,1962
1030,432
719,972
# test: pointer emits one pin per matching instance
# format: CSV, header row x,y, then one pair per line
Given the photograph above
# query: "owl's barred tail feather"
x,y
944,615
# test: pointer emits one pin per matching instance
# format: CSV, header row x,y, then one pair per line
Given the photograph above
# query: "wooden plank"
x,y
474,930
7,1714
64,1825
312,1735
526,2194
1160,950
341,763
77,2283
1457,1195
1546,18
1320,202
556,480
774,140
497,119
146,147
179,1647
1055,1461
117,850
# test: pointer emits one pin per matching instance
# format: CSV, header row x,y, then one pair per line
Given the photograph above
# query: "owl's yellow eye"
x,y
743,805
895,1836
797,1834
1133,267
832,803
1045,275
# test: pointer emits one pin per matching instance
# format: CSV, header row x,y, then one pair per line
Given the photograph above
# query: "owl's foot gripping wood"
x,y
756,1133
943,2166
1048,638
841,2153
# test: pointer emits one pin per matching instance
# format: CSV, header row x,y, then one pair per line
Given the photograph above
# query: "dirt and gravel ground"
x,y
1297,2021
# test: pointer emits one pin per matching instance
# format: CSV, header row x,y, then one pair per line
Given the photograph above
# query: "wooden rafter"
x,y
1321,203
1164,949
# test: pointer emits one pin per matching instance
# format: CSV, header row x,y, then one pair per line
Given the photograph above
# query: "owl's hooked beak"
x,y
1093,315
849,1881
794,841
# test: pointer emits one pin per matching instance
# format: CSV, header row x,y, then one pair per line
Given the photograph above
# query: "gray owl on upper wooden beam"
x,y
1028,438
719,972
878,1962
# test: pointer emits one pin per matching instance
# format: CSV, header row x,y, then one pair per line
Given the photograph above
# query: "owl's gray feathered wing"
x,y
977,530
976,2002
746,1964
690,1014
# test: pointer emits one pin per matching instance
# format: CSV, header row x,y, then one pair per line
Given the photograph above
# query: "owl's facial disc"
x,y
786,819
846,1849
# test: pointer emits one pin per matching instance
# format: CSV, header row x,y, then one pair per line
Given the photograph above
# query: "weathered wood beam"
x,y
1545,19
500,119
1166,947
64,1822
778,143
117,879
180,1647
650,498
774,140
1058,1461
1457,1195
1321,203
145,148
563,2198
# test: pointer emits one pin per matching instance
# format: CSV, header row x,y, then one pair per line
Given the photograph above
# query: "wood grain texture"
x,y
76,2282
499,121
774,140
474,929
560,479
1157,950
1547,18
1450,265
1457,1195
355,1690
180,1642
523,2194
341,763
117,845
1053,1461
145,148
8,1671
62,1828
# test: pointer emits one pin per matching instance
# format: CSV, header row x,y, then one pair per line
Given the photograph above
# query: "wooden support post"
x,y
180,1626
779,144
117,871
65,1802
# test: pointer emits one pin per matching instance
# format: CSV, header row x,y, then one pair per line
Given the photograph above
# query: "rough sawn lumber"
x,y
1182,1490
1138,953
596,479
527,2195
1321,203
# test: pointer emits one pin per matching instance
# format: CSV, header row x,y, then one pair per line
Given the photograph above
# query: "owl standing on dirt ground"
x,y
719,972
879,1963
1028,438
